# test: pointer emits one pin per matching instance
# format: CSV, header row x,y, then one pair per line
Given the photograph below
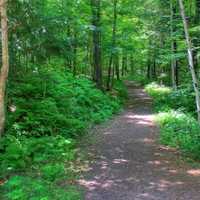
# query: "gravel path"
x,y
129,163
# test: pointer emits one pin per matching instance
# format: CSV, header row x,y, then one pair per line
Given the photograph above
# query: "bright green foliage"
x,y
52,103
141,79
44,162
45,110
53,171
27,188
178,128
165,98
181,131
48,108
160,95
19,153
121,90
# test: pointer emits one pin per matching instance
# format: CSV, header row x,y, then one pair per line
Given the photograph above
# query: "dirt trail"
x,y
130,165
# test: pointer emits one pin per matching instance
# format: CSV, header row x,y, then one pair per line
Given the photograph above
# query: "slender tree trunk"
x,y
74,53
190,58
123,65
113,53
173,61
126,64
97,43
117,66
154,75
176,65
132,64
5,62
109,72
149,70
69,47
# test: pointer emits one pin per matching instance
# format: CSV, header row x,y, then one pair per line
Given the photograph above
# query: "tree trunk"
x,y
149,70
154,75
117,66
123,65
132,64
109,72
113,53
173,61
190,58
5,63
74,53
95,4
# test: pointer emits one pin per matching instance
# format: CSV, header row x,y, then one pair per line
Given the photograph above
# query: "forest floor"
x,y
127,162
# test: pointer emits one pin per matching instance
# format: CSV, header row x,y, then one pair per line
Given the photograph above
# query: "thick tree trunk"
x,y
97,43
190,58
5,62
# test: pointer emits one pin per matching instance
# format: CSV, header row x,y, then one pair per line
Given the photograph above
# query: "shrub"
x,y
29,188
52,103
19,153
121,90
41,163
178,127
181,131
53,171
165,98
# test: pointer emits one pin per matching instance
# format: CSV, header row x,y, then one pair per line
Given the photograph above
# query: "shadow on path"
x,y
130,165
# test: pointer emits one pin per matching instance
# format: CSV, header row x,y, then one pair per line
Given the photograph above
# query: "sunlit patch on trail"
x,y
148,140
194,172
155,162
107,133
173,171
90,185
145,119
120,161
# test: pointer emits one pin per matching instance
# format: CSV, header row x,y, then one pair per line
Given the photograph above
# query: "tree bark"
x,y
5,63
117,66
113,53
190,58
74,53
95,4
173,61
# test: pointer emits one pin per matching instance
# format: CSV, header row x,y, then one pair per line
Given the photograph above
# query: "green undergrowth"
x,y
37,168
48,112
141,79
52,103
176,118
120,91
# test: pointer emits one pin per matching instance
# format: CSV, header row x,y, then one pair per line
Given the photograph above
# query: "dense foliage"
x,y
47,112
178,127
67,60
52,103
42,164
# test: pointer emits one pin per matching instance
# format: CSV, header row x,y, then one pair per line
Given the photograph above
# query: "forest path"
x,y
129,163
